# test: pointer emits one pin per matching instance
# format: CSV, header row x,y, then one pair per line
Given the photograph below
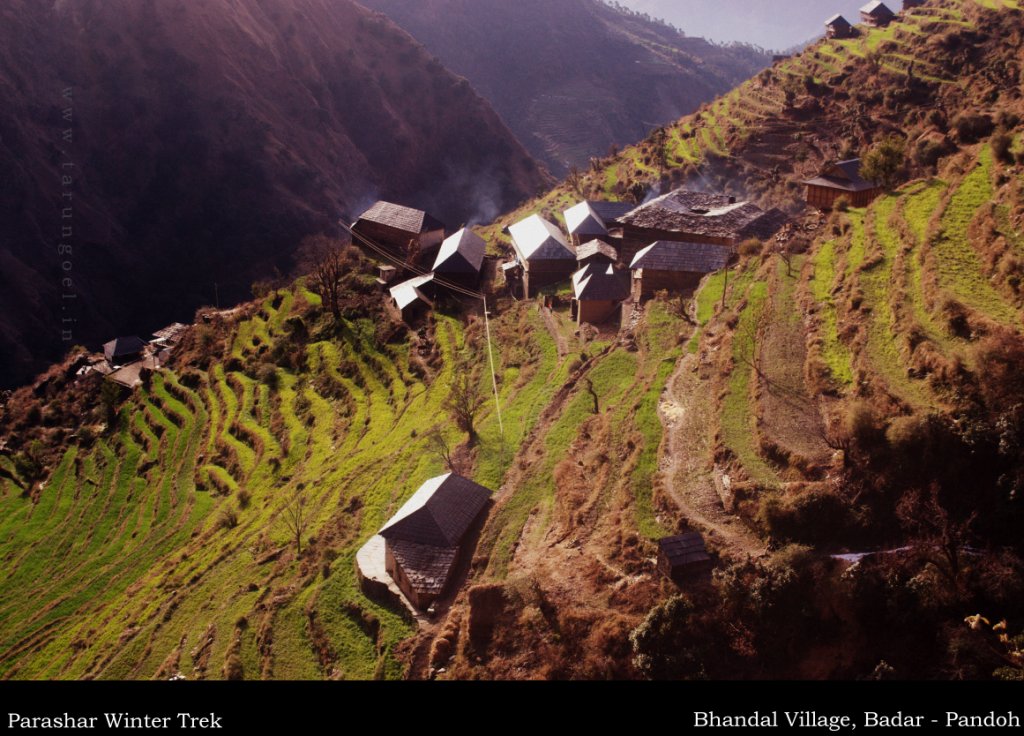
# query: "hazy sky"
x,y
773,24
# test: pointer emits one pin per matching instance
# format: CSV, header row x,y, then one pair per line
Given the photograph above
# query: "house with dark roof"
x,y
838,27
124,350
584,224
908,4
675,267
839,179
683,558
595,251
598,291
460,258
542,252
169,336
876,14
697,217
408,233
410,300
426,537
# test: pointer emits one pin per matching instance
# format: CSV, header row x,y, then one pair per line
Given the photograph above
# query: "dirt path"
x,y
684,460
556,334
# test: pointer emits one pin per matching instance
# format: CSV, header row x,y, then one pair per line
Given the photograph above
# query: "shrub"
x,y
267,373
1002,143
813,517
750,247
972,127
233,669
842,203
244,498
884,163
228,519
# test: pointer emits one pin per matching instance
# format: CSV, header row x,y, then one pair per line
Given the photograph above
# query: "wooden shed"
x,y
124,350
408,233
697,217
595,251
543,253
838,179
425,539
674,267
838,27
683,558
876,14
460,258
598,290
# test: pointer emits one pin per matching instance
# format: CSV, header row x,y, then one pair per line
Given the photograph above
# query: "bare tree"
x,y
296,519
782,251
330,263
574,180
465,399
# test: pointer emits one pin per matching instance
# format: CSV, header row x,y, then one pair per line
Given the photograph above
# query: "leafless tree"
x,y
465,399
330,264
295,519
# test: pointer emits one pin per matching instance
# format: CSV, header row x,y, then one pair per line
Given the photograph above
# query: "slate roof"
x,y
407,292
684,549
400,217
667,255
462,252
843,175
600,283
611,212
536,239
701,213
582,220
439,513
123,346
877,9
171,333
427,567
596,247
838,20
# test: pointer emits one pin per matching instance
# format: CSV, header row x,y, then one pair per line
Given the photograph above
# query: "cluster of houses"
x,y
124,358
875,14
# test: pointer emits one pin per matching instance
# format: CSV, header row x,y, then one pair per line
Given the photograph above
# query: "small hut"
x,y
839,179
598,290
542,251
460,258
409,301
683,558
124,350
409,233
876,14
595,251
425,538
675,267
838,27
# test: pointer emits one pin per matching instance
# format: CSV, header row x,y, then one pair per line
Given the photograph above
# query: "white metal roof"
x,y
537,239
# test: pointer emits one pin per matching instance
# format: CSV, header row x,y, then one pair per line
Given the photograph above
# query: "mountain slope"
x,y
206,139
861,394
572,77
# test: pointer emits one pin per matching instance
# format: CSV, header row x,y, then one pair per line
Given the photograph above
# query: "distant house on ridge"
x,y
838,27
876,14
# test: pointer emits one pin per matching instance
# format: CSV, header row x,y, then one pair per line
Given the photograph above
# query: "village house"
x,y
683,558
840,179
598,291
675,267
876,14
584,224
542,252
409,300
460,258
124,350
838,27
908,4
407,233
168,337
595,251
696,217
425,539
